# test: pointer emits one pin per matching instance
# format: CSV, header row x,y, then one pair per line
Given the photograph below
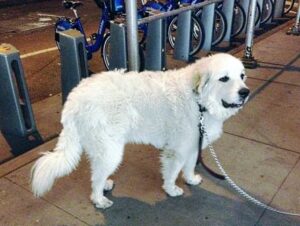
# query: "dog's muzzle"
x,y
243,93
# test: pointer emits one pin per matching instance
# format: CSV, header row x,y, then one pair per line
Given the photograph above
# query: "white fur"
x,y
110,109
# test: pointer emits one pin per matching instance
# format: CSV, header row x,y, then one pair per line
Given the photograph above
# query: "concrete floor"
x,y
259,149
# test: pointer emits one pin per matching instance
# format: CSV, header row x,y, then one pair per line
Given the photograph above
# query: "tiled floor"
x,y
260,149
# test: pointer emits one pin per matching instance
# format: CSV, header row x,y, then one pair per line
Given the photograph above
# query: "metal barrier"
x,y
73,60
17,122
183,36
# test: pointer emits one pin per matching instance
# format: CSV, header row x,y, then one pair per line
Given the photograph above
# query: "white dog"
x,y
110,109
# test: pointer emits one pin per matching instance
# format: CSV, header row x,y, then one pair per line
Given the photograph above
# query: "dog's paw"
x,y
102,202
195,180
173,190
109,184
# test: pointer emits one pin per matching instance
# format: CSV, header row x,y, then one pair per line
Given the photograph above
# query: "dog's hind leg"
x,y
104,161
171,167
189,170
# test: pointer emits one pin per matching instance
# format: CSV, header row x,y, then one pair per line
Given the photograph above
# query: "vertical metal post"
x,y
183,36
132,35
248,59
155,57
117,47
73,60
208,18
295,29
16,116
227,9
278,10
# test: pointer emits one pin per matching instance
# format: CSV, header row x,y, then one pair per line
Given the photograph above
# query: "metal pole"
x,y
248,59
295,30
132,35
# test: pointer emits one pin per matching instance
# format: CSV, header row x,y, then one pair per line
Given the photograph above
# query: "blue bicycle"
x,y
98,39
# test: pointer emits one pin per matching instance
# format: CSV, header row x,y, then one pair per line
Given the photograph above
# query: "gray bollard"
x,y
183,36
227,9
279,8
207,19
73,60
248,60
16,117
155,57
117,49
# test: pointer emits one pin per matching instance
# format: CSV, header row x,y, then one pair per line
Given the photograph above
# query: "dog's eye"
x,y
243,76
224,79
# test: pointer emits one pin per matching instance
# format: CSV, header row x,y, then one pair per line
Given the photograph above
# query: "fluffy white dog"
x,y
110,109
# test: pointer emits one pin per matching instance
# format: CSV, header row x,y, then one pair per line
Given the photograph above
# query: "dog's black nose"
x,y
244,92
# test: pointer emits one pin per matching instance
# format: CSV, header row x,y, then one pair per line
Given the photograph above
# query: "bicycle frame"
x,y
97,41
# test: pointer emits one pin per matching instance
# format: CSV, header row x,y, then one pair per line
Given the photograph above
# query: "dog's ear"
x,y
196,82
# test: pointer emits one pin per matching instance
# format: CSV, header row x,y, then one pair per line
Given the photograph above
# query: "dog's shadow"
x,y
201,208
198,207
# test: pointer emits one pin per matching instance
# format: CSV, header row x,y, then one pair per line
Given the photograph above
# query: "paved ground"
x,y
259,149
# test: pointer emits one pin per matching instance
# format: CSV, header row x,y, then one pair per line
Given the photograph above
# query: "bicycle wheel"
x,y
220,26
257,14
267,11
197,37
288,6
106,50
238,20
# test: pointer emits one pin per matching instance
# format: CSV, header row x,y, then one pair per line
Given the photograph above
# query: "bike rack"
x,y
207,18
184,31
278,10
155,57
118,51
227,9
123,49
73,60
17,122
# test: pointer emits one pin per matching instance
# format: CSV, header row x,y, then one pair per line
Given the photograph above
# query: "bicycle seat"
x,y
71,4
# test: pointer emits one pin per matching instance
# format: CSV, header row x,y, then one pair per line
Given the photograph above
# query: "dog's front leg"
x,y
189,169
171,166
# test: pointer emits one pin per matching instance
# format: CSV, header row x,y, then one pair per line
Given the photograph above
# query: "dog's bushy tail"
x,y
62,161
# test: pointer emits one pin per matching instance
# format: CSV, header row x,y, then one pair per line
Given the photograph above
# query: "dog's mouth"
x,y
232,105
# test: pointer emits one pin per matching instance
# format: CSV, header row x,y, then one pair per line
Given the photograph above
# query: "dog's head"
x,y
220,84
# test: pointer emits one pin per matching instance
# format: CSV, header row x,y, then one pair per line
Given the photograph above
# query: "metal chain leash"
x,y
238,189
